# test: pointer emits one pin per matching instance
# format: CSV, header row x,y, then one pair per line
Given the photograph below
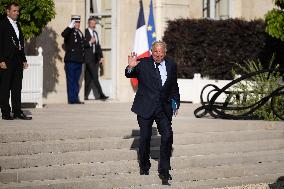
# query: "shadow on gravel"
x,y
279,184
155,143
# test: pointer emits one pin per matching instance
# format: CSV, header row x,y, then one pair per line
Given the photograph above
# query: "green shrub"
x,y
256,88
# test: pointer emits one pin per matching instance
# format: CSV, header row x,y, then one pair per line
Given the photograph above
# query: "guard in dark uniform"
x,y
74,42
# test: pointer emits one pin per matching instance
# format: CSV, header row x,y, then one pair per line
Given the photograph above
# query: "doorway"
x,y
105,13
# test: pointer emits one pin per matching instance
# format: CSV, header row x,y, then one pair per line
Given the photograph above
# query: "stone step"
x,y
224,183
134,179
44,134
130,166
88,144
46,159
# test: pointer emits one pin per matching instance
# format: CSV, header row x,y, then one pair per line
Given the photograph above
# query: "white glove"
x,y
72,24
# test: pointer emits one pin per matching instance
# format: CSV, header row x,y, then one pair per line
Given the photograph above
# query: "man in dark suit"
x,y
74,43
157,99
12,63
93,59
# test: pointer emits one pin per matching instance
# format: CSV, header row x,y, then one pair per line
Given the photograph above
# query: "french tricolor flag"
x,y
141,47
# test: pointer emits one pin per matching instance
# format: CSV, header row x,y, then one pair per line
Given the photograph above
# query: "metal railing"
x,y
230,110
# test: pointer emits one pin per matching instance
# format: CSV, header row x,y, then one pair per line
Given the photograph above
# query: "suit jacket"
x,y
91,57
74,45
9,42
149,94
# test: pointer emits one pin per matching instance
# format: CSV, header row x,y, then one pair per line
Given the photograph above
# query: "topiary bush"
x,y
211,47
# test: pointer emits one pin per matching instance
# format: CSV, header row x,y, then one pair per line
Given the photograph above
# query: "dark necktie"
x,y
94,45
158,73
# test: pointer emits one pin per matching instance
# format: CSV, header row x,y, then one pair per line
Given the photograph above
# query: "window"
x,y
206,8
216,9
222,9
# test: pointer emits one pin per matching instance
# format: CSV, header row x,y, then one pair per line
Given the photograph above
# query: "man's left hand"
x,y
25,65
175,112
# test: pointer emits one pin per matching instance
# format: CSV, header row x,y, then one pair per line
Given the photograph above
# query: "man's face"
x,y
158,53
77,24
92,24
13,12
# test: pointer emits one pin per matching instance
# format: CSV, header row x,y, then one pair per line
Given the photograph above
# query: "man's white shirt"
x,y
14,24
163,71
93,34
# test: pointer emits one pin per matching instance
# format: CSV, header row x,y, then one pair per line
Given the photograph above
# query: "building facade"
x,y
116,29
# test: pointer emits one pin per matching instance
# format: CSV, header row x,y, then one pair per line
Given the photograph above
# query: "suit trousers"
x,y
165,130
73,72
11,81
92,79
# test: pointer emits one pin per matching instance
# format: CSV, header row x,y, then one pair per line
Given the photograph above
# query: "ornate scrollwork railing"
x,y
229,109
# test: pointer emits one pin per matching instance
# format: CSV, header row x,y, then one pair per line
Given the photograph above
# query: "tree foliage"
x,y
34,15
275,20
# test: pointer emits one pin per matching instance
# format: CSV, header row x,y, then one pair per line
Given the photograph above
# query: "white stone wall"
x,y
251,9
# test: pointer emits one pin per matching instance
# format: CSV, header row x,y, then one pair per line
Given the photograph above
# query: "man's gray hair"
x,y
159,43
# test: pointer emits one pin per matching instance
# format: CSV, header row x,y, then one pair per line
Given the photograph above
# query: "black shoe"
x,y
78,102
144,171
165,177
7,117
103,97
21,116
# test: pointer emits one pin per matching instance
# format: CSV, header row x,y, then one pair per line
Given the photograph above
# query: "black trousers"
x,y
165,130
92,79
11,80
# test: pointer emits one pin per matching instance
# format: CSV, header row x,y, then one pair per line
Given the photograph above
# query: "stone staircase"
x,y
95,146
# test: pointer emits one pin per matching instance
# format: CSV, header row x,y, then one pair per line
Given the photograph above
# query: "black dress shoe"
x,y
7,117
21,116
144,171
79,102
103,97
165,177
